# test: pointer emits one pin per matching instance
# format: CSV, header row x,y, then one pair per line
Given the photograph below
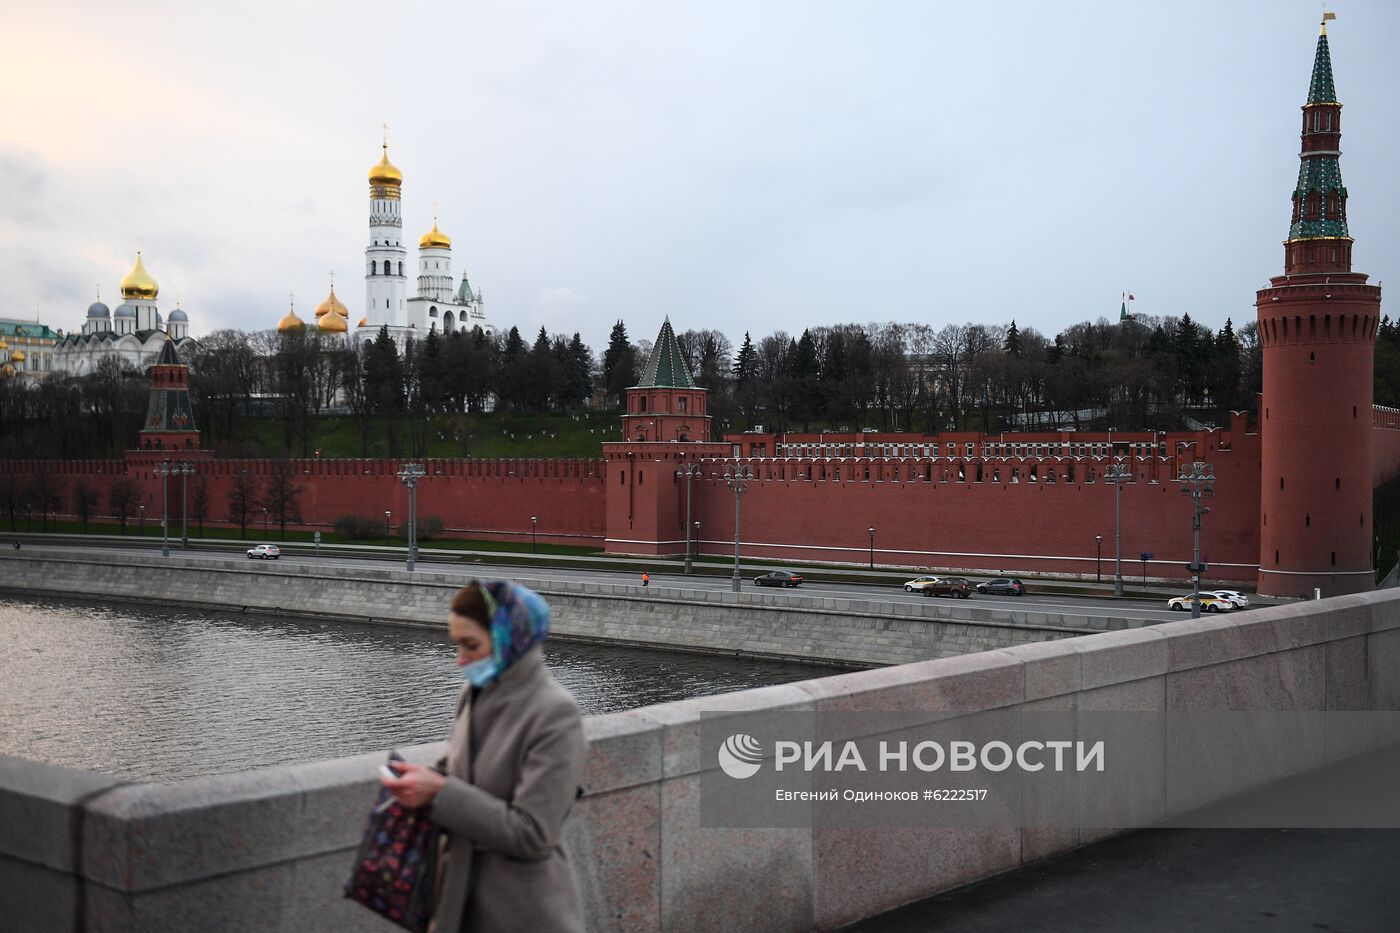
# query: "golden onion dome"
x,y
290,322
435,239
7,370
332,303
138,282
385,172
334,324
3,344
17,356
364,322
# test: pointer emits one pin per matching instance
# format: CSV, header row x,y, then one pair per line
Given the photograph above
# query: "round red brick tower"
x,y
1317,324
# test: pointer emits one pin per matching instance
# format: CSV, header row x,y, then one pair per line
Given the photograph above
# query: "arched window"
x,y
400,266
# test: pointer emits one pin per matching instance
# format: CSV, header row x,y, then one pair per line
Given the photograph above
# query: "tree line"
x,y
1140,372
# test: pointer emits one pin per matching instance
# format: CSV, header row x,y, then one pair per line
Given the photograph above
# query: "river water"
x,y
162,694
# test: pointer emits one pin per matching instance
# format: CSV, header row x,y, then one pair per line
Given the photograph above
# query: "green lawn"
x,y
525,435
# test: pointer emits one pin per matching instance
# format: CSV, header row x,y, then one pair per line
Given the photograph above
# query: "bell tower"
x,y
1317,326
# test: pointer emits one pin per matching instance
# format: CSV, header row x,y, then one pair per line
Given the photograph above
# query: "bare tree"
x,y
85,501
242,499
45,492
122,498
200,502
282,495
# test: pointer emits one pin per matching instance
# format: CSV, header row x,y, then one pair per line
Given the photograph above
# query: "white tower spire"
x,y
385,257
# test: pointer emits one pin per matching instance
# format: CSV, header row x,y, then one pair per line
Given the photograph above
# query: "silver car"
x,y
1236,598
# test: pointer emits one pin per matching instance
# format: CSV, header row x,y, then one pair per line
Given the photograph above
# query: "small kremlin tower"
x,y
169,426
1317,325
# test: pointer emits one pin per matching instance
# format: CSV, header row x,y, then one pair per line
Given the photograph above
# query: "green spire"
x,y
1321,90
665,369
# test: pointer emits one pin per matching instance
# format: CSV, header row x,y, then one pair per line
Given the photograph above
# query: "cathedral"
x,y
134,332
439,305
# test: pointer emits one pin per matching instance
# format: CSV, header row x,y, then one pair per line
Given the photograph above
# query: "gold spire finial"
x,y
386,136
332,280
1326,15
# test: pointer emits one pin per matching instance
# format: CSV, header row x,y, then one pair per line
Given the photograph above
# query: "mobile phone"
x,y
387,772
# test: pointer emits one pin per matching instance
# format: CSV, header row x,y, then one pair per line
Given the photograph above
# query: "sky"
x,y
757,165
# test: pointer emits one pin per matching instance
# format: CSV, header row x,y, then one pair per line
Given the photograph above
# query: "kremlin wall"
x,y
1291,510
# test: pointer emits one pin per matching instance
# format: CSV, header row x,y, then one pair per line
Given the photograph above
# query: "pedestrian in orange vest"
x,y
646,578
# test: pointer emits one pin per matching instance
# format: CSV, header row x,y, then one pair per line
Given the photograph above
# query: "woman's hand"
x,y
416,785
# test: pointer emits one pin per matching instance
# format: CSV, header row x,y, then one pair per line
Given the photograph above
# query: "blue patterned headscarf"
x,y
519,620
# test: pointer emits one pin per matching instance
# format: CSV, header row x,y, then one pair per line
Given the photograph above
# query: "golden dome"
x,y
386,173
17,356
364,322
290,322
435,239
138,282
7,370
332,303
3,344
334,323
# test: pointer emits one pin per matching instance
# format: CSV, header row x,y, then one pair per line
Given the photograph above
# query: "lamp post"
x,y
737,478
1118,474
1196,481
143,520
164,471
409,475
697,539
388,532
264,524
689,471
871,531
185,470
534,524
1098,558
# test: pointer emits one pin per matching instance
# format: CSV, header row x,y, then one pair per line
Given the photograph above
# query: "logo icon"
x,y
740,756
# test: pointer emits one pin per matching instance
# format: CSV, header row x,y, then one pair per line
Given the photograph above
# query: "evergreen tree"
x,y
580,371
511,384
619,365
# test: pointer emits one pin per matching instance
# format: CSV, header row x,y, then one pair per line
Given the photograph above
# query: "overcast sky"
x,y
739,165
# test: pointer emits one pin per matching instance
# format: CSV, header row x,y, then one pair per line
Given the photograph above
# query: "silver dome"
x,y
98,309
178,316
126,310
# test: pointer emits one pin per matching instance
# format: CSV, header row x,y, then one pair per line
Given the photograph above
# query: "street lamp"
x,y
409,475
264,524
164,471
1118,474
143,520
697,539
185,470
534,543
871,531
1098,558
737,478
689,471
388,533
1197,482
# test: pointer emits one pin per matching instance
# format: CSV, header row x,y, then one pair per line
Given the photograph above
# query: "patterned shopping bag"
x,y
396,863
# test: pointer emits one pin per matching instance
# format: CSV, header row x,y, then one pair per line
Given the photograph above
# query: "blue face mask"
x,y
480,672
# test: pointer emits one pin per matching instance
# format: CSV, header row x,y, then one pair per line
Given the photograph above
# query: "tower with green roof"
x,y
1317,326
666,404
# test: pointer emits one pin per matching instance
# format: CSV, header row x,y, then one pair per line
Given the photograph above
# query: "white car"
x,y
917,584
264,552
1209,603
1236,598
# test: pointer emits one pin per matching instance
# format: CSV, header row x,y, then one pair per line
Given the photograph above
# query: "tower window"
x,y
1334,558
1337,483
1280,483
1307,520
1312,358
400,267
1275,558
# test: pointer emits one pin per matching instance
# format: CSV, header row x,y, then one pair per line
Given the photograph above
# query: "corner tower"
x,y
386,281
1317,325
666,404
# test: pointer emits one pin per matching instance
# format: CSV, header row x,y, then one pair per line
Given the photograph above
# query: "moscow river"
x,y
162,694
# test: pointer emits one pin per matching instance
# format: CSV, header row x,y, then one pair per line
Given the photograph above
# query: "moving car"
x,y
918,583
1238,599
778,578
1002,586
948,586
264,552
1209,603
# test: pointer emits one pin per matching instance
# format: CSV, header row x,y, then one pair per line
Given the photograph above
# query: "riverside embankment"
x,y
809,629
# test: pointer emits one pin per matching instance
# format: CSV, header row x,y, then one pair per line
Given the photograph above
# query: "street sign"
x,y
1197,568
1146,556
317,537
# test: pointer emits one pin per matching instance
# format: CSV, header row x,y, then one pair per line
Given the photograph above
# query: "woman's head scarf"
x,y
519,620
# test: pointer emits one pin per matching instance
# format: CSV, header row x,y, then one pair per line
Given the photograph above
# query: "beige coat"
x,y
509,787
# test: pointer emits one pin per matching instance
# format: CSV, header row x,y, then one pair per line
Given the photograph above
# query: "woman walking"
x,y
510,775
